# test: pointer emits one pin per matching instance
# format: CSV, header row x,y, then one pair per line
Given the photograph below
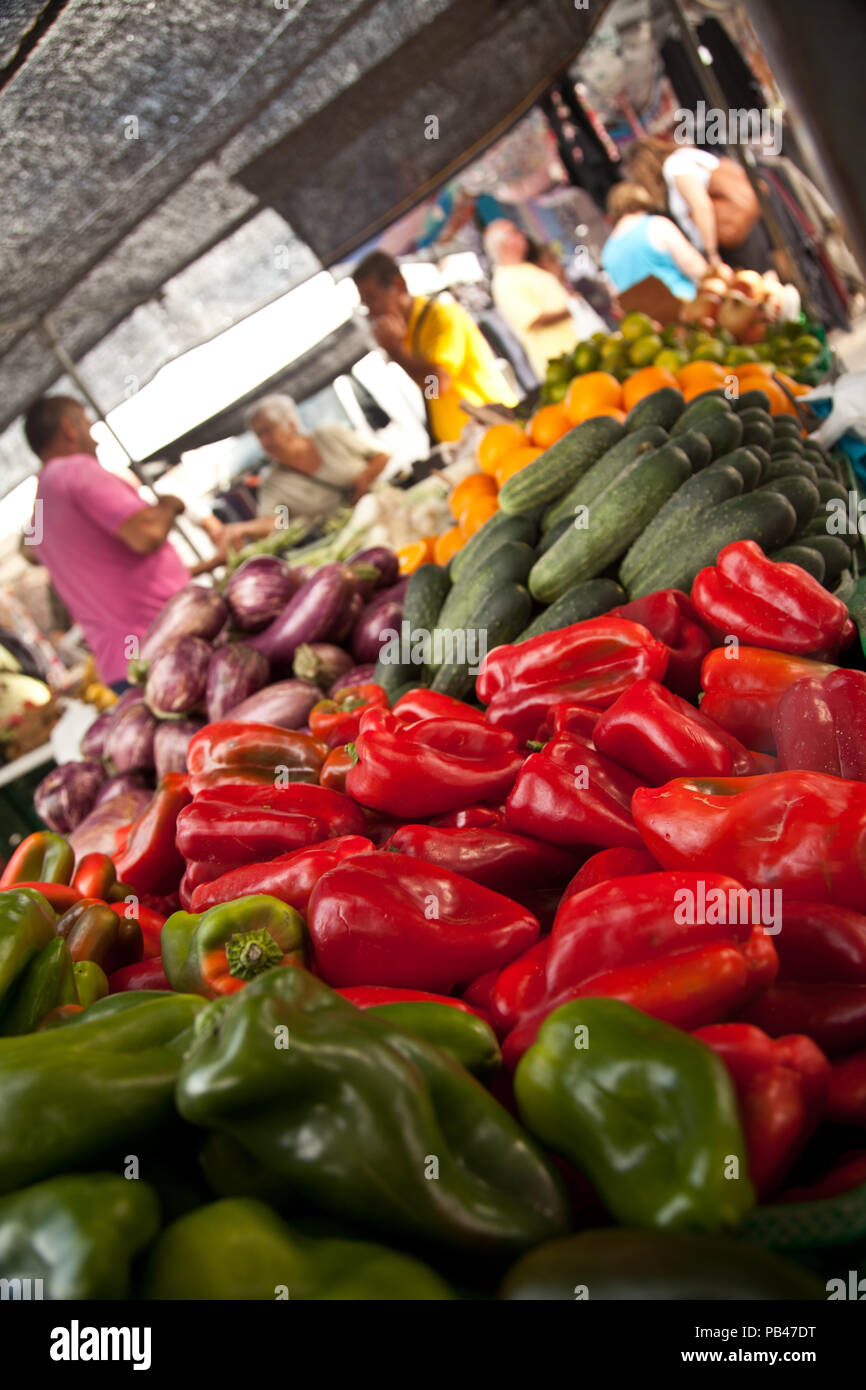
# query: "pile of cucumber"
x,y
615,511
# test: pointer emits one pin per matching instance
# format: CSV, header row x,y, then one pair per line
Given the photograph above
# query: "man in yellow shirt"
x,y
435,342
534,303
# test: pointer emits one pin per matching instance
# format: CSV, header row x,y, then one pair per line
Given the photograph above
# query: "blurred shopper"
x,y
435,342
105,548
311,474
535,303
643,244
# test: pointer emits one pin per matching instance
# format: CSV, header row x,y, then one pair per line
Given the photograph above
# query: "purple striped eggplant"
x,y
356,675
193,611
129,746
383,559
321,662
121,784
259,590
309,616
94,739
369,632
170,743
97,833
286,704
66,796
177,679
235,672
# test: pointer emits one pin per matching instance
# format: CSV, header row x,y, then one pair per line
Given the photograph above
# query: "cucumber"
x,y
786,466
746,464
828,489
664,407
509,564
584,601
616,518
765,517
786,444
495,532
819,525
823,470
498,618
698,410
551,536
762,455
705,489
725,432
425,594
611,464
757,431
800,492
806,556
835,554
554,471
697,447
752,400
787,424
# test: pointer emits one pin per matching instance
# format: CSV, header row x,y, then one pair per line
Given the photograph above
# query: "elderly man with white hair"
x,y
310,474
537,307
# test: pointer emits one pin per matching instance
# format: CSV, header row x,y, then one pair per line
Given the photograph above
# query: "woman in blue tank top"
x,y
643,243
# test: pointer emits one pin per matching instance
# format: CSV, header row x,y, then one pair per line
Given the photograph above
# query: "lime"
x,y
586,357
559,371
671,358
736,356
612,354
710,351
643,350
635,325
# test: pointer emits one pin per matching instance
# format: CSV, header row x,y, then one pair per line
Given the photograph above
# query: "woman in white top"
x,y
678,177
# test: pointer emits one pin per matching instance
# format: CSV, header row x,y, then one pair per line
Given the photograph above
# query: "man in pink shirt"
x,y
104,547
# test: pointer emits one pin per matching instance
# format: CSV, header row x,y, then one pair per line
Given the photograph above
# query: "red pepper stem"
x,y
250,953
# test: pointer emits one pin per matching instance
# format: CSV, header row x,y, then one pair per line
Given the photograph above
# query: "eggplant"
x,y
350,616
369,631
121,784
356,675
309,616
170,743
286,704
177,679
321,662
97,833
66,796
234,673
129,746
396,593
94,739
383,559
259,590
193,611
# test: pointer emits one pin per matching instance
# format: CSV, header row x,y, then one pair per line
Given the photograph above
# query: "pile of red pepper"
x,y
600,828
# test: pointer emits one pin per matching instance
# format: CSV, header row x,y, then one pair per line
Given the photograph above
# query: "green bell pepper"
x,y
27,924
647,1266
105,1077
42,858
646,1112
77,1234
365,1120
240,1249
231,1171
91,982
47,982
216,952
464,1036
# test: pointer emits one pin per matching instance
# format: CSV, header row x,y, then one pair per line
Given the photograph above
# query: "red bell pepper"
x,y
372,996
820,941
386,919
218,833
594,660
290,877
610,863
42,857
60,895
479,994
481,817
338,811
834,1015
436,765
498,859
781,1086
566,717
846,1095
430,704
526,713
95,932
570,795
769,604
821,725
849,1172
230,751
658,735
335,768
520,988
799,832
743,686
336,722
151,861
145,974
96,877
670,615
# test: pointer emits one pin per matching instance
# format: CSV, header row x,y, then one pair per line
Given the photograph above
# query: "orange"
x,y
779,403
588,392
644,382
475,515
701,376
448,544
477,485
613,411
412,557
496,442
514,462
548,424
795,387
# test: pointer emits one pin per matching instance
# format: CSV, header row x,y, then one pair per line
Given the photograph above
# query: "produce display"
x,y
559,934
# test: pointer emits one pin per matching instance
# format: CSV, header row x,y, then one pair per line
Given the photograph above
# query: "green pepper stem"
x,y
249,953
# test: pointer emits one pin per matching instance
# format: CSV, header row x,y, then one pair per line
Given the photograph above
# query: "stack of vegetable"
x,y
588,959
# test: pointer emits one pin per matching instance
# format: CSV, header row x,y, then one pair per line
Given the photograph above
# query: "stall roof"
x,y
137,139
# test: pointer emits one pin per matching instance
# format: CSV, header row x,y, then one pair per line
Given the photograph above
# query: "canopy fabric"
x,y
201,159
